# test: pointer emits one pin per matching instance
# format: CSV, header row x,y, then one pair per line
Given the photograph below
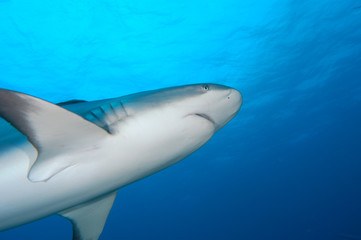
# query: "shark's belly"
x,y
18,195
23,201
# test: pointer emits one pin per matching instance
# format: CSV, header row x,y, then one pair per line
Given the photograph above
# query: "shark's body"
x,y
73,161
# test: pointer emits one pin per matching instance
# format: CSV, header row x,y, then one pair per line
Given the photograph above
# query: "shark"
x,y
72,157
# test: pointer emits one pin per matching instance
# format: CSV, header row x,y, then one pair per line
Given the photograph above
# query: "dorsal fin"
x,y
51,129
70,102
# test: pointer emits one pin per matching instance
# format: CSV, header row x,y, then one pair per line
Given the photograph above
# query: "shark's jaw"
x,y
205,116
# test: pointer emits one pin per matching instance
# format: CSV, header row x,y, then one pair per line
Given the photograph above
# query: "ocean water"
x,y
287,167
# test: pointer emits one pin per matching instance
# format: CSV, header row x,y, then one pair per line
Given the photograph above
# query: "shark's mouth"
x,y
205,116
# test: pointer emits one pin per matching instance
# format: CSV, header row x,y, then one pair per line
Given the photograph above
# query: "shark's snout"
x,y
224,105
236,97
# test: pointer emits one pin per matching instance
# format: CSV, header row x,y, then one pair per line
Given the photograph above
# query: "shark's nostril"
x,y
229,93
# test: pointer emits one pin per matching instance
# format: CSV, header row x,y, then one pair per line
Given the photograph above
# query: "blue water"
x,y
287,167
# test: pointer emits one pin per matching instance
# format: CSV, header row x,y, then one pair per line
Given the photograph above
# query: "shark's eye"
x,y
205,87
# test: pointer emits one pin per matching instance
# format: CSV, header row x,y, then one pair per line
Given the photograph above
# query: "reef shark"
x,y
71,158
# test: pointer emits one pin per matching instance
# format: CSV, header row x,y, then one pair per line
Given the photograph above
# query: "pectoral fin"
x,y
51,129
88,219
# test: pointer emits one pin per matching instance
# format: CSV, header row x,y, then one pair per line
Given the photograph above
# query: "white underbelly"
x,y
23,201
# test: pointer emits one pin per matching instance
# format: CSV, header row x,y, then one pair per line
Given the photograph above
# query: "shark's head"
x,y
207,105
169,124
212,103
216,103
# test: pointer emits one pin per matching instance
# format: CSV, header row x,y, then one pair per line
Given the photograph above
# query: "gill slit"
x,y
125,111
99,119
111,107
